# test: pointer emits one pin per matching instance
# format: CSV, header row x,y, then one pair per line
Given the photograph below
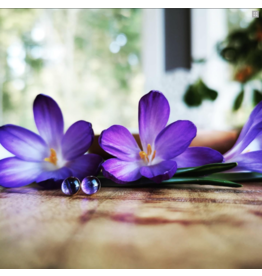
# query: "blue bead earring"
x,y
89,185
70,186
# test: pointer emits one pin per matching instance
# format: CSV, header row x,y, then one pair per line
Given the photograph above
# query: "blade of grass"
x,y
238,177
205,170
144,182
203,181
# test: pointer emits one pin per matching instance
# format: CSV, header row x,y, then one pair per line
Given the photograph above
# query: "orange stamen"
x,y
146,157
149,149
52,158
143,155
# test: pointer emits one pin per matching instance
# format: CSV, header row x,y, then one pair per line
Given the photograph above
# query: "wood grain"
x,y
185,226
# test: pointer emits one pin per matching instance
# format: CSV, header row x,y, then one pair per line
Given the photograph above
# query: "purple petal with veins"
x,y
122,171
174,139
159,172
77,140
154,113
250,161
238,148
58,174
198,156
15,172
119,142
254,118
49,120
23,143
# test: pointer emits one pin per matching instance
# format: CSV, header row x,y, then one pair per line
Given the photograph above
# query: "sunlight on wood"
x,y
182,227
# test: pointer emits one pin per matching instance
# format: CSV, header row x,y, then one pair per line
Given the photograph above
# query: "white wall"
x,y
208,27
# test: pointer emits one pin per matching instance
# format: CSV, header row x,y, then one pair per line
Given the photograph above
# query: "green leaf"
x,y
202,181
212,94
144,182
207,93
238,101
192,96
198,92
257,97
239,177
205,170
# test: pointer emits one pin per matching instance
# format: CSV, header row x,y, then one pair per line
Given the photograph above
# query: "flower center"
x,y
148,156
52,158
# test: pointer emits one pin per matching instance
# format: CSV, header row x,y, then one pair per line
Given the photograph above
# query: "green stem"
x,y
144,182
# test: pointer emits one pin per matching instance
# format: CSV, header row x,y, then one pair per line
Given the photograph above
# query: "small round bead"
x,y
90,185
70,185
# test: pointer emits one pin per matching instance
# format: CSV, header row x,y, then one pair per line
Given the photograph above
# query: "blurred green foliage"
x,y
238,101
106,25
257,97
198,92
242,48
85,35
15,26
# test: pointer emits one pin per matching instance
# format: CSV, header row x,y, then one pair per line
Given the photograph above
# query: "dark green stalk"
x,y
239,177
144,182
205,170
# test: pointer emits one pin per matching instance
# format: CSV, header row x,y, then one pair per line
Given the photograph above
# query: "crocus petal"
x,y
15,172
174,139
250,161
257,143
249,132
77,140
238,148
254,118
23,143
198,156
154,113
55,175
121,171
49,120
4,153
161,171
86,165
119,142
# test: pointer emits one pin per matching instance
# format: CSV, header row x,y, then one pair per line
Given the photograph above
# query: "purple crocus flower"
x,y
164,148
247,151
52,155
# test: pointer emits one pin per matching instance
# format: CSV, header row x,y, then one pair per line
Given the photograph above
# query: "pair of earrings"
x,y
89,185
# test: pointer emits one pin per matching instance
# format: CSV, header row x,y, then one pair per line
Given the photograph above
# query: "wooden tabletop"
x,y
186,226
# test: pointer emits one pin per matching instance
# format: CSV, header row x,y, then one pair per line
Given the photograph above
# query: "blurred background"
x,y
97,63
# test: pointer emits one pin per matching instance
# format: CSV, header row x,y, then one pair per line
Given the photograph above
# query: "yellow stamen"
x,y
146,157
52,158
143,155
149,149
